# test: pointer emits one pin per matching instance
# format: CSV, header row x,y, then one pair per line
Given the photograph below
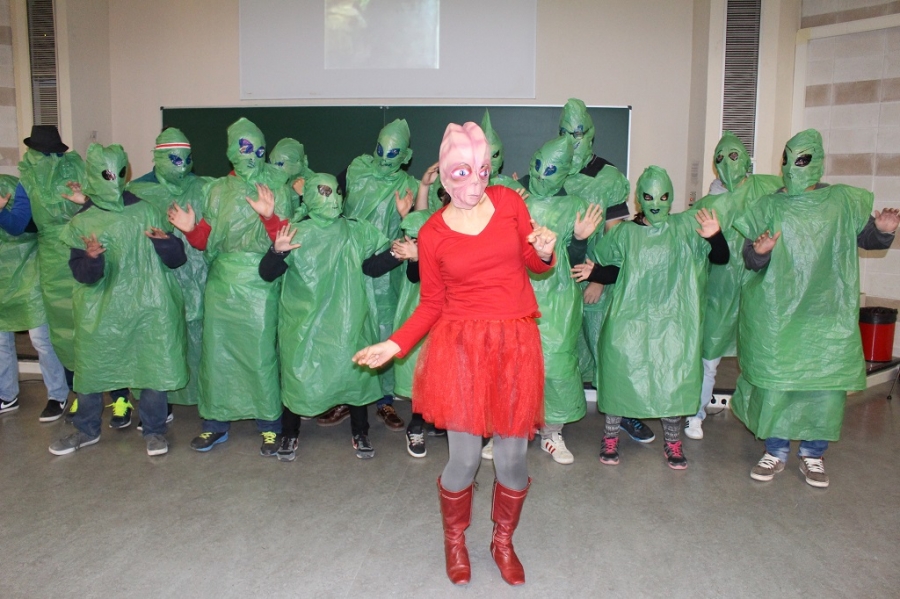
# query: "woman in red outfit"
x,y
481,372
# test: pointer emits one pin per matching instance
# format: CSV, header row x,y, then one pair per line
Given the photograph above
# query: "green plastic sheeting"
x,y
404,368
44,179
723,288
608,188
577,124
803,162
105,178
239,362
372,181
289,157
651,339
130,324
325,309
495,147
732,161
175,183
21,307
799,315
558,296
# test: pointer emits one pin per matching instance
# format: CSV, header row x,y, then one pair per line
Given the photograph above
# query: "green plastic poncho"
x,y
723,288
579,126
239,361
650,341
44,178
172,181
289,157
495,147
405,367
608,188
325,314
21,308
130,324
799,342
558,296
372,181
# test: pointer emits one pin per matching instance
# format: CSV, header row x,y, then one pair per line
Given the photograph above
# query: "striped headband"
x,y
173,145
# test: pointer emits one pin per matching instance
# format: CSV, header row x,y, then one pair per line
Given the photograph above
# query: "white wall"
x,y
608,52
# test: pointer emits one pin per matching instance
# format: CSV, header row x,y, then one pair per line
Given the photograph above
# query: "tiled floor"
x,y
109,521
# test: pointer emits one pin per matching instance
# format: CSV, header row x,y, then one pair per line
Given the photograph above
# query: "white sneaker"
x,y
693,428
487,452
556,447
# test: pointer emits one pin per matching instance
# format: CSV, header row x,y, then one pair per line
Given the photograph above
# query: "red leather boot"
x,y
456,514
505,513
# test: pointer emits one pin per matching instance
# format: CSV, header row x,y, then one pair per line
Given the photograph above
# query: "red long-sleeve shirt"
x,y
475,277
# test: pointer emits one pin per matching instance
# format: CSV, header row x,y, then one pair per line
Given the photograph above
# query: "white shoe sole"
x,y
158,451
695,435
559,458
72,449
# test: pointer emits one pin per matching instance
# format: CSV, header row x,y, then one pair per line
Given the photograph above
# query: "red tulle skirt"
x,y
483,377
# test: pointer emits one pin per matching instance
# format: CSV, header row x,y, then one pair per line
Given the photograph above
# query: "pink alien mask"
x,y
465,164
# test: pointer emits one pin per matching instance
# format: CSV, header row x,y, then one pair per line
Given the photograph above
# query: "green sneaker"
x,y
121,413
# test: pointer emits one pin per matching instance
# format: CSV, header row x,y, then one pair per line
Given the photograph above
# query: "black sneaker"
x,y
169,418
121,413
271,443
206,441
287,452
434,431
52,412
637,430
675,455
415,441
363,447
9,406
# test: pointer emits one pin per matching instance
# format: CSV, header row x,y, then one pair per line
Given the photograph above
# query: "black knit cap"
x,y
45,138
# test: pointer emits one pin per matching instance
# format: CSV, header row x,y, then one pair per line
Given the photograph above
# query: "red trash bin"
x,y
876,325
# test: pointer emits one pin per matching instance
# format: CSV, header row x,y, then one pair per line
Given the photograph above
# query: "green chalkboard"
x,y
334,135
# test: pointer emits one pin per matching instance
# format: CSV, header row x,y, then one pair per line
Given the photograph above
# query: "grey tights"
x,y
510,466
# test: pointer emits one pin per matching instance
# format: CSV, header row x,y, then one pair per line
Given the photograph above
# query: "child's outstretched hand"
x,y
181,219
709,223
404,204
580,272
77,196
283,239
405,249
155,233
585,227
265,204
4,200
887,220
92,247
765,242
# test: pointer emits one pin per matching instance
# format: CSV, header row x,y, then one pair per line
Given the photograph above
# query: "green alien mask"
x,y
732,161
289,156
105,170
323,198
577,124
655,195
246,149
495,146
803,161
392,150
172,159
550,167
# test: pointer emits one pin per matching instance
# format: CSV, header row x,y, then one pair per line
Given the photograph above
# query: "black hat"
x,y
45,138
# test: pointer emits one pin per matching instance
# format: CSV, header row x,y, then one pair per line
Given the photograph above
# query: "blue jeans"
x,y
387,400
51,368
153,409
808,449
217,426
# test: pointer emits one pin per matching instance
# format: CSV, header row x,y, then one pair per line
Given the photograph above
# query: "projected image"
x,y
382,34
